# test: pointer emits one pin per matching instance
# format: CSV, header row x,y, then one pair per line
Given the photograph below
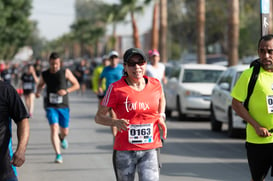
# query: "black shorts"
x,y
260,159
27,92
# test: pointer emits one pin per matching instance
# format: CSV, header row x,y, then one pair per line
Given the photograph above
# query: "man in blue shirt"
x,y
111,73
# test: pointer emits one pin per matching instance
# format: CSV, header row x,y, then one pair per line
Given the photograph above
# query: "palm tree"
x,y
87,35
233,32
115,14
132,6
135,31
200,21
154,43
163,31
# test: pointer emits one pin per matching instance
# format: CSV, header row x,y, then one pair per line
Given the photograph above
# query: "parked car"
x,y
218,59
189,88
221,110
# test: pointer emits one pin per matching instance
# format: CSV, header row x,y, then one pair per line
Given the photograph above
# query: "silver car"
x,y
189,88
221,110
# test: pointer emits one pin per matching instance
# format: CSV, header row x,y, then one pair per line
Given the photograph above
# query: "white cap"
x,y
113,53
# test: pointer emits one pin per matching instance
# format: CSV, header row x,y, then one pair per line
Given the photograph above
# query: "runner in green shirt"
x,y
259,118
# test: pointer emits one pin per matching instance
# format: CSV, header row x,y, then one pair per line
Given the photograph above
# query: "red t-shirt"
x,y
141,109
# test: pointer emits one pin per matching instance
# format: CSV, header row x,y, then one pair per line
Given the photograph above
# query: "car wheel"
x,y
233,132
179,107
214,123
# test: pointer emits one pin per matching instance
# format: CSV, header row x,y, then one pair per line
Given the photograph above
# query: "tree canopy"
x,y
15,26
182,20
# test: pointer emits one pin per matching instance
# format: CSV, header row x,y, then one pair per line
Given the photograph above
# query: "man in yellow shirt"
x,y
96,77
259,117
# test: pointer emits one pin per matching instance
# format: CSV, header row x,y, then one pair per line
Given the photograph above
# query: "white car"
x,y
221,110
189,88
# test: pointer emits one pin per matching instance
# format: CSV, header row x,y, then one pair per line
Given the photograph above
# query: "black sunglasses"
x,y
132,64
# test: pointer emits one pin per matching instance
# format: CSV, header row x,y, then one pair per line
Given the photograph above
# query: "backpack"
x,y
254,76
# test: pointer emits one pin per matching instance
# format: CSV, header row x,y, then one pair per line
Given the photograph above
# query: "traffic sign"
x,y
265,15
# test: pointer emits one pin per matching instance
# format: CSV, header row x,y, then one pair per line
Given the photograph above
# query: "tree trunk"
x,y
115,42
155,27
201,18
135,31
76,50
233,32
163,31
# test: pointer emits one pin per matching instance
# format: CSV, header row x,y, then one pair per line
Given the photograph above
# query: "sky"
x,y
54,18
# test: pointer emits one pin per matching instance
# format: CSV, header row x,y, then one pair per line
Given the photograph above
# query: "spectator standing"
x,y
139,104
259,115
111,73
29,80
57,106
156,69
12,108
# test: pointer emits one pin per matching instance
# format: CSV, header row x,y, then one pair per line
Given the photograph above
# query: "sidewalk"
x,y
89,155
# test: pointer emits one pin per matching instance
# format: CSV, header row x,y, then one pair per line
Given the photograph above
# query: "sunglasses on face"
x,y
133,64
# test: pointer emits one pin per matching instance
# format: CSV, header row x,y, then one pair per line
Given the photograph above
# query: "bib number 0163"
x,y
140,133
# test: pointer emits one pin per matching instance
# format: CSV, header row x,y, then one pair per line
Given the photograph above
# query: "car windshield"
x,y
201,76
238,74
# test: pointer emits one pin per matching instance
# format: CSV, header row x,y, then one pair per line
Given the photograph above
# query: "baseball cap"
x,y
153,52
104,57
113,53
132,51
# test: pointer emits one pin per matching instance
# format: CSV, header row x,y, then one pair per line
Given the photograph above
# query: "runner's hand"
x,y
163,127
62,92
121,124
18,159
263,132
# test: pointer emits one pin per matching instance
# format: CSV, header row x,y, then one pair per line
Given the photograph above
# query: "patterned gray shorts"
x,y
127,162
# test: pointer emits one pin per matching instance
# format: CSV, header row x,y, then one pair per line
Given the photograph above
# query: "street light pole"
x,y
265,16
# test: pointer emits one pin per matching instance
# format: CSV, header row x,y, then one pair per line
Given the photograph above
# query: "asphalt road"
x,y
191,152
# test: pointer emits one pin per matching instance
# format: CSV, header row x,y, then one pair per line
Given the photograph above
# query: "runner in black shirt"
x,y
12,107
56,80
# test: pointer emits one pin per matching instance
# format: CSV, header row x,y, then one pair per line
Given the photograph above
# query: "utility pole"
x,y
265,17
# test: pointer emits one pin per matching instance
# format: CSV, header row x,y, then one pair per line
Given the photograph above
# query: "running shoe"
x,y
64,144
59,158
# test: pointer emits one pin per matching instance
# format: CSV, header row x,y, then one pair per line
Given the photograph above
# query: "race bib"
x,y
140,133
269,101
55,98
27,86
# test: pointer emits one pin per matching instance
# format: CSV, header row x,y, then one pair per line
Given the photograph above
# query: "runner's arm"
x,y
40,86
103,119
239,108
72,79
161,111
23,136
36,79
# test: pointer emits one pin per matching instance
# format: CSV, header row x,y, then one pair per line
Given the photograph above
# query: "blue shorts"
x,y
58,115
